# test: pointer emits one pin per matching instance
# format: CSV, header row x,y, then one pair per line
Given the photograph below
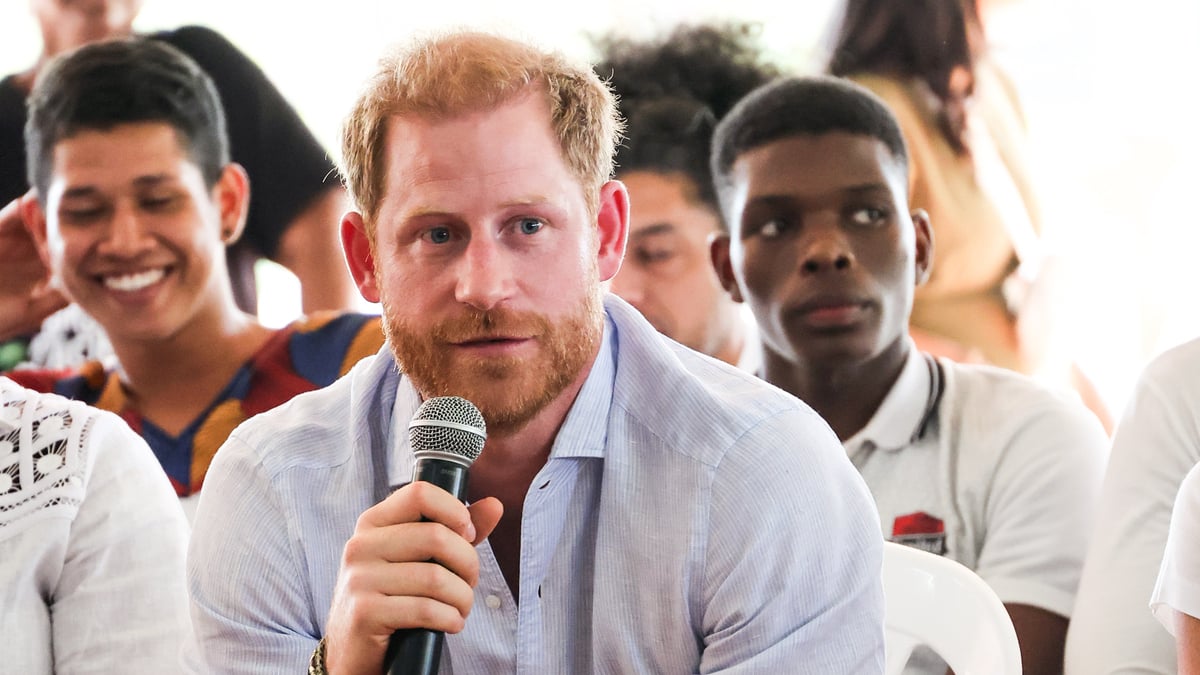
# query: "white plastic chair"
x,y
938,602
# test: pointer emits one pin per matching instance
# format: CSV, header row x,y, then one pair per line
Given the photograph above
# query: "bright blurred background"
x,y
1105,84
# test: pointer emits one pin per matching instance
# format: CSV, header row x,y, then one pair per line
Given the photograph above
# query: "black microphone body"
x,y
443,447
417,651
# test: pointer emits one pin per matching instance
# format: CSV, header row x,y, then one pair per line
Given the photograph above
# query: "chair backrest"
x,y
938,602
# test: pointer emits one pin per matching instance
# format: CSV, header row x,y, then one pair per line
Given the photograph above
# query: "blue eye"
x,y
529,225
439,235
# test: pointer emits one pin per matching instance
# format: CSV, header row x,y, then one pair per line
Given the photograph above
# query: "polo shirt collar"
x,y
896,421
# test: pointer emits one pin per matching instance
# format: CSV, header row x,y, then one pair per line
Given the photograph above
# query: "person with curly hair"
x,y
671,91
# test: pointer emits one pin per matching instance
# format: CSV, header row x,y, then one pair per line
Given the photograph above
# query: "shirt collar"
x,y
902,411
585,431
400,460
583,434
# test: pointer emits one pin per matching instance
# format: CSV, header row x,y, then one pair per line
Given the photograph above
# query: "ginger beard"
x,y
508,391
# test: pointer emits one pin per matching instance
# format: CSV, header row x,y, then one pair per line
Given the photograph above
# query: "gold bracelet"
x,y
316,665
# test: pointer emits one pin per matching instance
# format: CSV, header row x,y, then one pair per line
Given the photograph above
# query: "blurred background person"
x,y
671,91
1156,444
992,295
92,543
135,202
1176,599
296,205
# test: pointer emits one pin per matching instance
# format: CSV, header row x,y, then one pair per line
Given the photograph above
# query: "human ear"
x,y
29,211
923,250
360,255
718,251
232,195
612,228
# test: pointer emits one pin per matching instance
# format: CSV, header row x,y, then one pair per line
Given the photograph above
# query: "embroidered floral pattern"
x,y
41,455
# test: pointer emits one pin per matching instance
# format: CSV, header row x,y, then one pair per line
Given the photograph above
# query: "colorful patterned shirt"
x,y
308,354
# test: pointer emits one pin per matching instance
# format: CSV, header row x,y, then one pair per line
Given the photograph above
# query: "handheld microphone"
x,y
446,435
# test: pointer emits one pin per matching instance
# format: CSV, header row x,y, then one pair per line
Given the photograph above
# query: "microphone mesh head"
x,y
448,424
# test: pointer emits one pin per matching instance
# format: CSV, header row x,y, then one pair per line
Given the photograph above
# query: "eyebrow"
x,y
867,187
534,200
79,192
651,230
152,180
860,189
85,191
531,200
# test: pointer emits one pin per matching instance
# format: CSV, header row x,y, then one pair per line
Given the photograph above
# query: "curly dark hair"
x,y
673,90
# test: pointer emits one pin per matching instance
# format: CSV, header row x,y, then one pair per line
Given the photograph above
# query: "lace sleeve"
x,y
42,458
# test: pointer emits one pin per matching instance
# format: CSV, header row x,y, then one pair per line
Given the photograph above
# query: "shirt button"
x,y
492,601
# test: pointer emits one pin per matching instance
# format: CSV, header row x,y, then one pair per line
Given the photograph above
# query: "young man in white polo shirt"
x,y
979,464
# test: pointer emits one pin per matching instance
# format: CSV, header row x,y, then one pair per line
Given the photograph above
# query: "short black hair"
x,y
802,106
105,84
673,89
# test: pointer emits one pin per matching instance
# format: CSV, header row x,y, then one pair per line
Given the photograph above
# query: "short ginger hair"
x,y
463,72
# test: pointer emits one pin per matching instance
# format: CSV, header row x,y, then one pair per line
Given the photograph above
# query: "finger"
x,y
10,216
414,542
419,500
361,618
46,303
427,580
23,315
415,612
485,514
384,614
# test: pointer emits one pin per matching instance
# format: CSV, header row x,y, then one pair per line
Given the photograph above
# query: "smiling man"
x,y
620,516
978,464
292,219
136,201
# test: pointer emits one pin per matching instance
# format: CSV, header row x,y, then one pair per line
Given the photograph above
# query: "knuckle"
x,y
428,612
455,624
427,578
420,491
470,570
353,583
363,521
355,549
440,536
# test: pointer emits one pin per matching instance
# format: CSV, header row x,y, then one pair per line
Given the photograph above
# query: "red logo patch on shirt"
x,y
920,530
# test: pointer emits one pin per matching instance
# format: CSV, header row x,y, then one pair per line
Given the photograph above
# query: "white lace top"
x,y
92,543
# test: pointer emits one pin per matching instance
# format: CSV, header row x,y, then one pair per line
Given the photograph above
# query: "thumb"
x,y
485,514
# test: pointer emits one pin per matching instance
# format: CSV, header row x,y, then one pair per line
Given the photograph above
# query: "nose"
x,y
826,249
127,236
485,274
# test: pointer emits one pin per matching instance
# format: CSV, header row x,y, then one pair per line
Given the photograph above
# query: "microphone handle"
x,y
415,651
418,651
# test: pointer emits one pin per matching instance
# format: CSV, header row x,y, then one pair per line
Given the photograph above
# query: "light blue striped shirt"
x,y
691,519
